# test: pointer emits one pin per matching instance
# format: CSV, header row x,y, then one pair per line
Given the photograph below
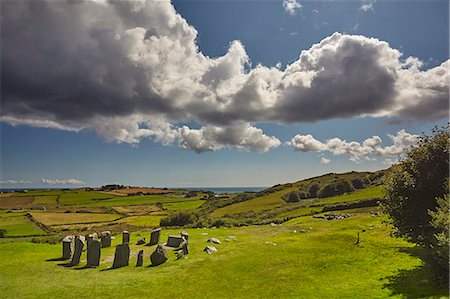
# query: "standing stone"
x,y
174,241
106,239
79,244
125,237
159,256
67,249
93,253
185,248
154,237
185,235
140,258
121,255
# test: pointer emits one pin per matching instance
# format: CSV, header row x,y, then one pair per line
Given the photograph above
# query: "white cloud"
x,y
134,71
62,182
324,160
291,6
355,150
367,6
241,136
14,182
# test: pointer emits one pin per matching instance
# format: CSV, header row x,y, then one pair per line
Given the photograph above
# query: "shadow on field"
x,y
414,283
59,259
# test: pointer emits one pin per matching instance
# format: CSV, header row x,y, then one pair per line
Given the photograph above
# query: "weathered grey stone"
x,y
154,237
159,256
125,237
214,240
174,241
106,239
67,249
185,247
140,258
210,249
121,256
93,253
180,254
79,244
185,235
140,241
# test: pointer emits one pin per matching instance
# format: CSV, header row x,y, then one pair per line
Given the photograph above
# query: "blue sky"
x,y
35,153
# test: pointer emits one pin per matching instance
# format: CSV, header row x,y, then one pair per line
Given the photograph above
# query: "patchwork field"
x,y
16,201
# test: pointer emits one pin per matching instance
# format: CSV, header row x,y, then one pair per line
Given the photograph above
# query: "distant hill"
x,y
282,202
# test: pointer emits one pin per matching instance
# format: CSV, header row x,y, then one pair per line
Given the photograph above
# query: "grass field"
x,y
17,225
45,199
72,218
147,221
263,262
183,205
81,197
257,204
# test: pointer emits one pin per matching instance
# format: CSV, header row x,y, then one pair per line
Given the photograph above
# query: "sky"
x,y
215,93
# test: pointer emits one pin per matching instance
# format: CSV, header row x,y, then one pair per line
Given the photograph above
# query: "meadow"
x,y
297,254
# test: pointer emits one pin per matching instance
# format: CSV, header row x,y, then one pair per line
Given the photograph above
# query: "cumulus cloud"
x,y
241,136
324,160
291,6
130,70
62,182
15,182
355,150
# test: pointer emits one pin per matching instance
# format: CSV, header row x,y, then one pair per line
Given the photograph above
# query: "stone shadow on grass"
x,y
58,259
417,282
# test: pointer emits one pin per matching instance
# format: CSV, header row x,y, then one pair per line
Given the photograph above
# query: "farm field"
x,y
292,260
17,225
72,218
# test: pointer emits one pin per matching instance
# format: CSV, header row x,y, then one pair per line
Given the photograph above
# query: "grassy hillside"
x,y
306,258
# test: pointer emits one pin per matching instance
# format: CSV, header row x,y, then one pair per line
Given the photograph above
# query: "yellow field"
x,y
147,221
72,218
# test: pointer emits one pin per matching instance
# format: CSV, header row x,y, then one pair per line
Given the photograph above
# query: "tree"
x,y
293,197
312,191
415,184
440,244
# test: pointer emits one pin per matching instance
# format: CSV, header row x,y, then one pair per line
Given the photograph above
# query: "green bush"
x,y
293,197
312,190
336,187
181,218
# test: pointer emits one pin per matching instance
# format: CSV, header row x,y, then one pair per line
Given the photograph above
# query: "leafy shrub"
x,y
358,183
181,218
440,244
293,197
336,187
312,190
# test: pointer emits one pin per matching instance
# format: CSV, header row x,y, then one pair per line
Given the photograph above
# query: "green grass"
x,y
81,197
257,204
183,205
139,200
73,218
322,262
17,225
39,193
45,199
147,221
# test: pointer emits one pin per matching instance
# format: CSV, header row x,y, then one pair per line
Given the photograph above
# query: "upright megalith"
x,y
140,258
121,256
106,239
125,237
174,241
93,253
67,247
159,256
154,237
185,247
78,249
185,235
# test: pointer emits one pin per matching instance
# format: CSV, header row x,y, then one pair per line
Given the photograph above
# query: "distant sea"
x,y
225,189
